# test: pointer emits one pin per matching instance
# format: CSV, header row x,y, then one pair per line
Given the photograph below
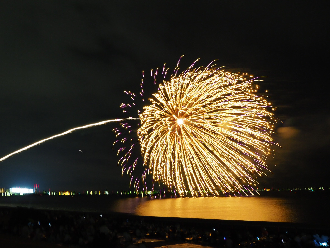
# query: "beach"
x,y
28,227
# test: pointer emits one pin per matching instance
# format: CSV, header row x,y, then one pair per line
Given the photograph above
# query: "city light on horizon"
x,y
21,191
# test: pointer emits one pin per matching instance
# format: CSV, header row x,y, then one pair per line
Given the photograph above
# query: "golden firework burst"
x,y
206,130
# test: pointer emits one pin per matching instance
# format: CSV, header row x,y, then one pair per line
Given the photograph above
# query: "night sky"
x,y
66,63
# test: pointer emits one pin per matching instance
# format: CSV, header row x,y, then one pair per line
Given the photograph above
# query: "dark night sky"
x,y
66,63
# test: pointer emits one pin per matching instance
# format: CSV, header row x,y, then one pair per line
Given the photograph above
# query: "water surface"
x,y
224,208
311,209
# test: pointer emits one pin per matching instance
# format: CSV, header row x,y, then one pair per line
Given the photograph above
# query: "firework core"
x,y
179,121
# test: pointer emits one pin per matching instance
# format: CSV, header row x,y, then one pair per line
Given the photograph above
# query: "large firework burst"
x,y
204,131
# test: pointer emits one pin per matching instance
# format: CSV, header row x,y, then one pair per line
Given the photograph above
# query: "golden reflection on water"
x,y
224,208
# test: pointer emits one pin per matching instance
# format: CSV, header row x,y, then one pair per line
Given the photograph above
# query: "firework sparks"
x,y
204,131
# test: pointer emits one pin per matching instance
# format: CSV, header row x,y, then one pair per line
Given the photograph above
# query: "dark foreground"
x,y
25,227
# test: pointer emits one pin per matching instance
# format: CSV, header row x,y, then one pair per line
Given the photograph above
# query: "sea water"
x,y
307,208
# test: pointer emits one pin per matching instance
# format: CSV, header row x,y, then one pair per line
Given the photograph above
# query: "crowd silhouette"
x,y
75,229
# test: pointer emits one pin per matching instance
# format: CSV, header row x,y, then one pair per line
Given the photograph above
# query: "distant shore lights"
x,y
21,191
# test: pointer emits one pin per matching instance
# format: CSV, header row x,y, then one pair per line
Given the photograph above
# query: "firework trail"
x,y
62,134
205,130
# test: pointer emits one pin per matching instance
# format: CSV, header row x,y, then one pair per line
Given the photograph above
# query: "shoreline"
x,y
219,222
107,205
